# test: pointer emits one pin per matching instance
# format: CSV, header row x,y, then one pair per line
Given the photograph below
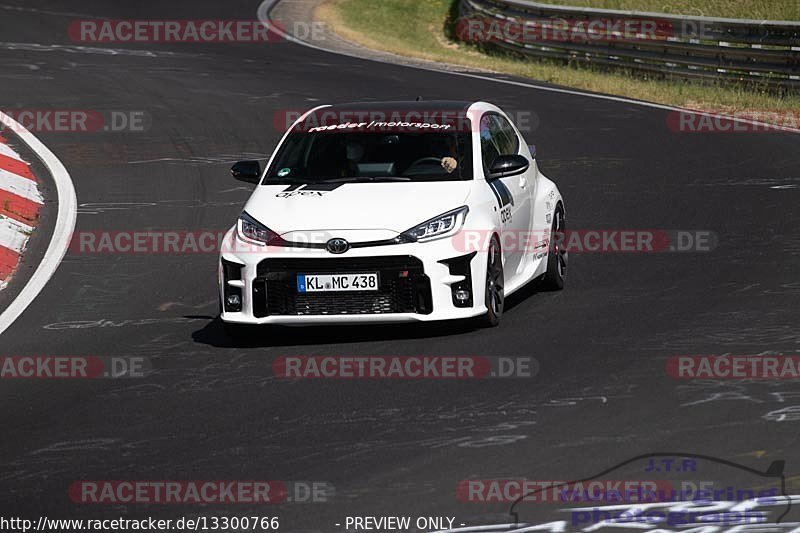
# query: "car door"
x,y
513,193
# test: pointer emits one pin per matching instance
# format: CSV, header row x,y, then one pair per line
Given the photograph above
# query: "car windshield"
x,y
355,156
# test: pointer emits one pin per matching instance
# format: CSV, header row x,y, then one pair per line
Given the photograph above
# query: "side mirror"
x,y
508,165
247,171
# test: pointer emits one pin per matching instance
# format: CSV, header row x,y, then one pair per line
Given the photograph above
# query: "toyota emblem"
x,y
338,246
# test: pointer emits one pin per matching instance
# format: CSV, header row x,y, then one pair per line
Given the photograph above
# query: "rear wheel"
x,y
556,275
494,291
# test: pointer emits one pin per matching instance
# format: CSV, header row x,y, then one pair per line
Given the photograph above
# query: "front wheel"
x,y
556,275
494,295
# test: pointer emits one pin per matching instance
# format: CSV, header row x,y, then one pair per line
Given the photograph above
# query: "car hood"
x,y
384,207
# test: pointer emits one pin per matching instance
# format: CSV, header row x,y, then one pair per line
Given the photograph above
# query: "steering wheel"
x,y
430,160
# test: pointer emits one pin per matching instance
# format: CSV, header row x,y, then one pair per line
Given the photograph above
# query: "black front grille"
x,y
403,287
230,272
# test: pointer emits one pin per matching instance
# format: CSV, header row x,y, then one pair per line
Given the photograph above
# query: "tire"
x,y
494,294
556,275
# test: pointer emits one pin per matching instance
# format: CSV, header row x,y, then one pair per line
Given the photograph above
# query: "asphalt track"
x,y
211,409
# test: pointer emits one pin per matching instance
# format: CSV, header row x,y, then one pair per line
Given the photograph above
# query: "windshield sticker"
x,y
308,190
381,125
292,194
284,172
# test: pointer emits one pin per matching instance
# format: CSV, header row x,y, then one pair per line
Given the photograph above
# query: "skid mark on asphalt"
x,y
120,323
230,377
106,207
75,49
773,401
94,293
475,425
772,182
216,159
64,459
77,445
589,163
7,7
26,77
166,306
755,328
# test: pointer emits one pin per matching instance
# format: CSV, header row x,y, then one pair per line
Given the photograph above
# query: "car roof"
x,y
452,110
435,111
459,106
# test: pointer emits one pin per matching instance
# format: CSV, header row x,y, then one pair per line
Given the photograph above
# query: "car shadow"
x,y
214,333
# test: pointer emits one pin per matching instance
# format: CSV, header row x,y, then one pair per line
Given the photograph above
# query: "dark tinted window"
x,y
497,138
489,147
506,136
358,156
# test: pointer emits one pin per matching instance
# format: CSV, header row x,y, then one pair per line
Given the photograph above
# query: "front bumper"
x,y
417,282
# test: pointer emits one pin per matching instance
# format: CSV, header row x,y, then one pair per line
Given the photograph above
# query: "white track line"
x,y
20,186
266,6
64,226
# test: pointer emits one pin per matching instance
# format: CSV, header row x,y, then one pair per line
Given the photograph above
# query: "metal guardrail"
x,y
760,52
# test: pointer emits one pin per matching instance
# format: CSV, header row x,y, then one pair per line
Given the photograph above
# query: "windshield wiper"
x,y
356,179
391,178
338,180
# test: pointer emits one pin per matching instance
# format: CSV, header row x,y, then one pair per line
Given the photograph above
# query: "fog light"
x,y
234,302
462,296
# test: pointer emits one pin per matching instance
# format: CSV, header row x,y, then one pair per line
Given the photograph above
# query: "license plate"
x,y
337,282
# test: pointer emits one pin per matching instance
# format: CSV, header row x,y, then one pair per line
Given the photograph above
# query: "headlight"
x,y
252,229
444,225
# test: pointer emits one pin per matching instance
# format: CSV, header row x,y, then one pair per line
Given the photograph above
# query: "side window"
x,y
503,132
489,149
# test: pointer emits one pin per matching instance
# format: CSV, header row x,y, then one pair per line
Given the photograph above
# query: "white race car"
x,y
391,212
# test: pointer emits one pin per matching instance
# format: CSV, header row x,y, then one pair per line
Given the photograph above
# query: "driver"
x,y
355,151
445,148
355,154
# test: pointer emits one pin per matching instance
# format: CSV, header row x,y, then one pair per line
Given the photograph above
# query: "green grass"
x,y
418,28
747,9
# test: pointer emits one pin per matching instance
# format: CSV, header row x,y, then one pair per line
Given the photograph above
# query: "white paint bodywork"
x,y
361,212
